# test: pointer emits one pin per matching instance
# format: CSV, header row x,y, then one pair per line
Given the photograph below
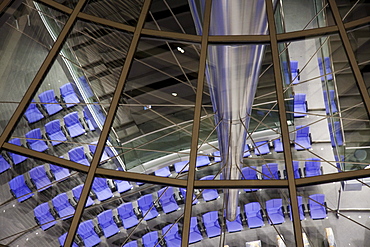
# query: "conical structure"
x,y
232,75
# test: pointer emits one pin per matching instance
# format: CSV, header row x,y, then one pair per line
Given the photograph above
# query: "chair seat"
x,y
20,189
261,148
123,186
33,115
72,99
57,138
4,164
76,130
43,216
39,146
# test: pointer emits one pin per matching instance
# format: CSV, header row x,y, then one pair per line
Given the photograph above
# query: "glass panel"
x,y
353,10
70,98
316,14
340,206
126,12
124,211
172,16
155,116
328,128
24,31
359,39
36,197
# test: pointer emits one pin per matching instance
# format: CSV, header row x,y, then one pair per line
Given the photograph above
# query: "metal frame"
x,y
273,38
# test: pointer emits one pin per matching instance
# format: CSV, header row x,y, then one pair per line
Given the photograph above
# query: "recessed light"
x,y
174,94
359,216
180,49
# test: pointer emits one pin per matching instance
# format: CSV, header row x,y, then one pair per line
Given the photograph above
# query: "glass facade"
x,y
184,123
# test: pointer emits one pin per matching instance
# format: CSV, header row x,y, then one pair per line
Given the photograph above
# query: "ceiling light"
x,y
174,94
180,49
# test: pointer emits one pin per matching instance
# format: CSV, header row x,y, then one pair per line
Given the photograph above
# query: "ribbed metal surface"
x,y
232,75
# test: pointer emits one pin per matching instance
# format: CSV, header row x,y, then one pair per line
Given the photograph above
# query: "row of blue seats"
x,y
90,237
108,224
54,132
51,103
127,215
302,141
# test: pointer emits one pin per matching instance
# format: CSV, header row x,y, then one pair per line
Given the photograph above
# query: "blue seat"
x,y
87,233
331,101
78,155
312,167
73,124
179,166
62,239
4,164
300,105
211,224
68,95
88,121
270,171
236,225
327,68
151,239
200,161
209,194
317,206
51,105
104,157
253,214
302,138
122,186
294,71
261,148
167,200
300,208
54,132
43,216
145,204
171,235
35,142
17,159
163,172
278,146
33,114
131,244
39,178
101,189
107,223
60,173
183,194
249,173
297,171
63,206
76,191
275,212
20,189
194,232
127,215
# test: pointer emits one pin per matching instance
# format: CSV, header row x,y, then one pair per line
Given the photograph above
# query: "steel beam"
x,y
196,125
283,125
